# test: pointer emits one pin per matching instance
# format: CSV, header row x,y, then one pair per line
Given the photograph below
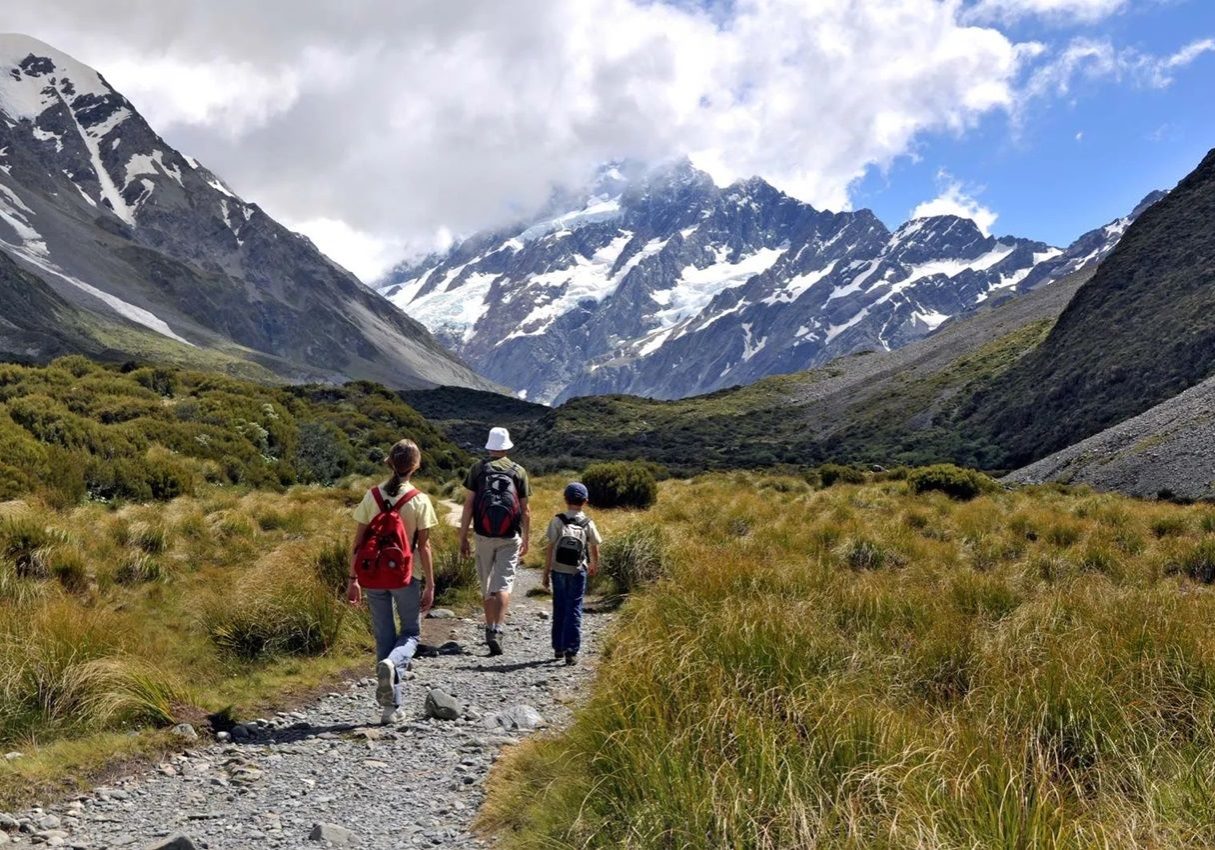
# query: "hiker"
x,y
571,556
393,537
496,506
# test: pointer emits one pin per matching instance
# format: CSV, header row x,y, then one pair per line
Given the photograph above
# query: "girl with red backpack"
x,y
393,535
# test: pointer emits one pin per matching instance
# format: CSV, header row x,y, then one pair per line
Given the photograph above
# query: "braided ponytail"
x,y
404,458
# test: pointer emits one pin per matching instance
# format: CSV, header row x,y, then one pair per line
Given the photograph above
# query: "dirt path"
x,y
416,785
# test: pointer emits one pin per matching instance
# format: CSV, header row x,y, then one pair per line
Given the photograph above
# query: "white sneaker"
x,y
385,676
392,716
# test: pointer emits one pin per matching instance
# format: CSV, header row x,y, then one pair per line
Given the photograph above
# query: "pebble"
x,y
271,781
441,614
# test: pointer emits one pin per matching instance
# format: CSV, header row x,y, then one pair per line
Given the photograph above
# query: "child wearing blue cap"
x,y
572,554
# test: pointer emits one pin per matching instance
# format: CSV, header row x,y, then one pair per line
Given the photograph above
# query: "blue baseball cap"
x,y
576,493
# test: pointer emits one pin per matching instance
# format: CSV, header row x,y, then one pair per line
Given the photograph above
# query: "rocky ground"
x,y
1166,451
330,770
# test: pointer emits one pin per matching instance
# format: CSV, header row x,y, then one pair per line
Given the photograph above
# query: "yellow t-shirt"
x,y
418,514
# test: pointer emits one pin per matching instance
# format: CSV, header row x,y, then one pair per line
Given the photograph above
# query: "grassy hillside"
x,y
864,667
888,409
1141,331
76,429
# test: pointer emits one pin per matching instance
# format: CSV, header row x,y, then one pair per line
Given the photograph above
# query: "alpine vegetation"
x,y
865,666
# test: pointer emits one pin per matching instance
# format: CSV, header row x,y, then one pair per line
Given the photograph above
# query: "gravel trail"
x,y
414,785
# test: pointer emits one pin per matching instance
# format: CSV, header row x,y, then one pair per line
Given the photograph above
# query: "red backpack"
x,y
385,557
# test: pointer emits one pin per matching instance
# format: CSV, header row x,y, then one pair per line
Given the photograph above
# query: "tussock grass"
x,y
127,618
866,667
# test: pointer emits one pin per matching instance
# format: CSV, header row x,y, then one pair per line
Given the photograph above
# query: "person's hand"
x,y
592,570
524,548
544,581
353,594
465,548
428,597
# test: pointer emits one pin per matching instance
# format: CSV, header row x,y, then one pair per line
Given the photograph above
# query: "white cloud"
x,y
1085,11
399,120
1087,59
365,255
955,199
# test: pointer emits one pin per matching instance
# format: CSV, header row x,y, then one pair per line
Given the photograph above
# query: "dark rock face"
x,y
118,223
664,285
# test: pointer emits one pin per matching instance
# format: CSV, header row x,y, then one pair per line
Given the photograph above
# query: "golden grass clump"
x,y
867,667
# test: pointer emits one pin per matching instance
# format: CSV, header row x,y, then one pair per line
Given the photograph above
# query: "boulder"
x,y
185,730
331,833
441,614
442,706
519,718
173,842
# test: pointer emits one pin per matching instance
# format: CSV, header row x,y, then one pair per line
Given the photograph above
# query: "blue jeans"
x,y
393,644
568,590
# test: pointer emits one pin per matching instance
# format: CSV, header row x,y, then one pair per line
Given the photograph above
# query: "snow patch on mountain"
x,y
692,291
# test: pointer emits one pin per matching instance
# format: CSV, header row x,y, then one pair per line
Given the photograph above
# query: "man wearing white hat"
x,y
496,506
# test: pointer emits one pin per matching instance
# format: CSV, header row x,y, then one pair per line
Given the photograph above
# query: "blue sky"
x,y
1070,163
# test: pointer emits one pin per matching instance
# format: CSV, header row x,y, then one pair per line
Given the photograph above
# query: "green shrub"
x,y
954,481
635,558
323,453
830,474
620,484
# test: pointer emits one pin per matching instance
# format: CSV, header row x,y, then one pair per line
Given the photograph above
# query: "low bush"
x,y
830,474
954,481
620,484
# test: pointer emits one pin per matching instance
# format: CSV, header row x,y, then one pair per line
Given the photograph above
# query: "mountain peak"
x,y
34,76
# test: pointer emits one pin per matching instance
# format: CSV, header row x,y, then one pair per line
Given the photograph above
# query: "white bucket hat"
x,y
499,440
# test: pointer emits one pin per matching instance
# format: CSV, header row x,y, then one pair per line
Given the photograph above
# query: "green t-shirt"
x,y
501,464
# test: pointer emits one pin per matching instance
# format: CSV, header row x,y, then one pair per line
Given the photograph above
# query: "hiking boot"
x,y
571,658
385,676
494,640
558,654
392,716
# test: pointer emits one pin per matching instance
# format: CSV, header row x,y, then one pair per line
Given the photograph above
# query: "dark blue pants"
x,y
568,590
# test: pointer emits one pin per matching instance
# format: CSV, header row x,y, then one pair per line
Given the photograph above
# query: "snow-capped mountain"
x,y
663,284
124,227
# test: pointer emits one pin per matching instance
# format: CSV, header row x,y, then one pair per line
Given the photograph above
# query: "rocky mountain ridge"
x,y
122,226
663,284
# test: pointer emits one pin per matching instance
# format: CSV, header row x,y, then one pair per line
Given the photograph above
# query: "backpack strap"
x,y
385,507
567,520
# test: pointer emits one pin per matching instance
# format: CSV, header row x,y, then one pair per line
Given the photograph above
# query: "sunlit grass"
x,y
121,619
864,667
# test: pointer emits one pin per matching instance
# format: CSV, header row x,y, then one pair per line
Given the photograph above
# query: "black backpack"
x,y
497,511
572,545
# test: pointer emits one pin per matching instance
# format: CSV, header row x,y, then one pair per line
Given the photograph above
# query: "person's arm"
x,y
352,581
426,556
548,564
525,505
465,522
593,568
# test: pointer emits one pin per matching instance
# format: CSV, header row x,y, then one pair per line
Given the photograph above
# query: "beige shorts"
x,y
497,561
